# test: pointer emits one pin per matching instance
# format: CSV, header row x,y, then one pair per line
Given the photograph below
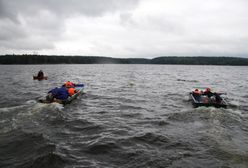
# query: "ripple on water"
x,y
22,149
149,123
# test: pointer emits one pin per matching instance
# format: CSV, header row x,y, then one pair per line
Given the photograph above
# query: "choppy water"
x,y
132,116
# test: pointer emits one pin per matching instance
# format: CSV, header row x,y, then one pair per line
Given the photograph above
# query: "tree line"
x,y
52,59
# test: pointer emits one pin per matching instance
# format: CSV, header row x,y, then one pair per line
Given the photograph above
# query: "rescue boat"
x,y
204,100
79,90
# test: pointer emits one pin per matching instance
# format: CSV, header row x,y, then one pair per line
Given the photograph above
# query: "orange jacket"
x,y
72,91
69,84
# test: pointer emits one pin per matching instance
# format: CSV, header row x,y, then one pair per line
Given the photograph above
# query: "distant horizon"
x,y
123,57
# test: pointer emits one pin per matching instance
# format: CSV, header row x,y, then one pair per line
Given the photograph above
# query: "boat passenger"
x,y
214,97
197,91
69,84
197,95
40,74
57,93
208,92
72,91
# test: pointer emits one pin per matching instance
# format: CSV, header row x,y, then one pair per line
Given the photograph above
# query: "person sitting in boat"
x,y
214,97
69,84
197,95
40,74
57,93
208,93
71,91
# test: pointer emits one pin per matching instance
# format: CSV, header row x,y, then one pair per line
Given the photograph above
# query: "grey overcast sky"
x,y
125,28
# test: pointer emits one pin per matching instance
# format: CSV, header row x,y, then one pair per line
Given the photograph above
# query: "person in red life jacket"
x,y
70,88
197,95
214,97
208,93
196,91
71,91
69,84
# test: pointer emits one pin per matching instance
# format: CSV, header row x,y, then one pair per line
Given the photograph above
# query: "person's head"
x,y
68,84
196,90
208,90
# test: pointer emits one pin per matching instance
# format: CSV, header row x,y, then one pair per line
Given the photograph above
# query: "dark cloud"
x,y
38,24
125,27
37,31
12,8
9,30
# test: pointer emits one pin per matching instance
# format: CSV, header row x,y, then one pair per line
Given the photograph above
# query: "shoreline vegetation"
x,y
177,60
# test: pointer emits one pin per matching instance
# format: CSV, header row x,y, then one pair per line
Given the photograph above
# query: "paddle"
x,y
79,85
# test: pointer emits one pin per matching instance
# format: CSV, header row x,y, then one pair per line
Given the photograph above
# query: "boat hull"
x,y
39,78
79,88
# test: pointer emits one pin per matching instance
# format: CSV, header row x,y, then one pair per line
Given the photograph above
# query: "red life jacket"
x,y
71,91
69,84
197,92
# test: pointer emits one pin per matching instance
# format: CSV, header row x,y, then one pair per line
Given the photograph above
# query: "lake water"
x,y
132,116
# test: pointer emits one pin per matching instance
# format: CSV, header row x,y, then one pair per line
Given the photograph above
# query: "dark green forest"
x,y
201,60
52,59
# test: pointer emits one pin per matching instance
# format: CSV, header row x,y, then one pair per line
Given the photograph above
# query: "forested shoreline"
x,y
52,59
